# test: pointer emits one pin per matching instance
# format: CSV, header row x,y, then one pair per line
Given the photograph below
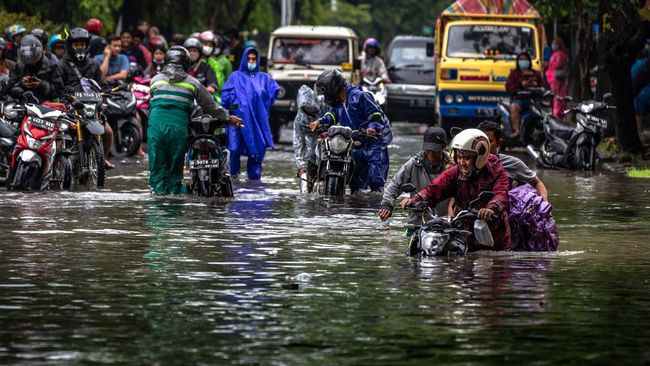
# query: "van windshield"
x,y
317,51
411,53
490,41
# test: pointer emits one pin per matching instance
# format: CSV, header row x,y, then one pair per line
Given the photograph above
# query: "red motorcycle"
x,y
36,163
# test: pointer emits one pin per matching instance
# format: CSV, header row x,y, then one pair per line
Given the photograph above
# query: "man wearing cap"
x,y
420,170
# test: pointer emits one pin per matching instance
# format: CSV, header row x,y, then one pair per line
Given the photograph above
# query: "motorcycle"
x,y
36,163
86,130
376,87
540,105
208,158
142,92
573,147
12,114
444,236
120,113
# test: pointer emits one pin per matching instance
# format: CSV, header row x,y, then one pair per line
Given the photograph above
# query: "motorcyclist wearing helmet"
x,y
42,37
15,34
77,64
114,65
352,107
95,27
212,49
6,65
200,70
372,66
34,72
56,45
476,170
173,94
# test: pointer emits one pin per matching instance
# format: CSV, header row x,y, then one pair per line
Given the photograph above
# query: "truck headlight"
x,y
449,98
460,98
282,92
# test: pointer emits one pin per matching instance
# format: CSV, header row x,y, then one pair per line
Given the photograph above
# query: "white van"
x,y
298,55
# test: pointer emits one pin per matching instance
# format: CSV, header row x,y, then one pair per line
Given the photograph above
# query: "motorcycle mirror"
x,y
454,131
485,196
408,187
607,96
482,233
374,117
310,110
29,97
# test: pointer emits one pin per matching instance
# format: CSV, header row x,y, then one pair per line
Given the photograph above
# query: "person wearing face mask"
x,y
557,75
419,170
200,70
253,92
522,77
476,170
157,60
212,49
352,107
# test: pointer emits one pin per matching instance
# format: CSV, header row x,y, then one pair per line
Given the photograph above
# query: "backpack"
x,y
532,225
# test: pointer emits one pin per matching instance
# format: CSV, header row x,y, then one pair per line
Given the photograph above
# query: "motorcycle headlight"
x,y
33,143
587,108
432,243
338,144
449,98
89,111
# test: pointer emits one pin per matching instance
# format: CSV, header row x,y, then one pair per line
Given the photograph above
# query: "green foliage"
x,y
263,18
638,173
100,9
29,21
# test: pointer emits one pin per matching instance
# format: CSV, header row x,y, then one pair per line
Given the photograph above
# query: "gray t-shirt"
x,y
517,170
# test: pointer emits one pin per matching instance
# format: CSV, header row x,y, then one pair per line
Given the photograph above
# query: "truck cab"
x,y
475,56
298,55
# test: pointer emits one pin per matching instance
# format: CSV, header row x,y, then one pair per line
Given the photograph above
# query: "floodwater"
x,y
275,278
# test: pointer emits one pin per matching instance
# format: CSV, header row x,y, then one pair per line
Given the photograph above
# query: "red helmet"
x,y
95,26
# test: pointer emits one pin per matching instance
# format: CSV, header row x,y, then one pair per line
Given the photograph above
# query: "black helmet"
x,y
77,34
193,43
178,55
31,50
329,84
40,34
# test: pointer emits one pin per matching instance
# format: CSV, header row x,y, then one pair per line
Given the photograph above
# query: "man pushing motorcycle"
x,y
354,108
476,170
173,94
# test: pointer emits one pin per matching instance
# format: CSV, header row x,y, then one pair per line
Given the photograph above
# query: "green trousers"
x,y
166,143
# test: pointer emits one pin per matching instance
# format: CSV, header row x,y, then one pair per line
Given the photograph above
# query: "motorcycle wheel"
x,y
128,143
334,186
583,158
205,188
61,173
96,174
226,187
23,177
413,249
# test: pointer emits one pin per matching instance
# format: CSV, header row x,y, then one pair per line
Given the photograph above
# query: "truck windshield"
x,y
318,51
490,41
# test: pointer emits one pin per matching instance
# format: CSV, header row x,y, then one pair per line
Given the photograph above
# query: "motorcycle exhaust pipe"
x,y
531,151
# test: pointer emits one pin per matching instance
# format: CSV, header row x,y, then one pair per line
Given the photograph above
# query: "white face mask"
x,y
207,50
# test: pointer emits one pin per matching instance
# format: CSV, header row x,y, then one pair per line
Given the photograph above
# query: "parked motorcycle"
x,y
376,87
540,105
444,236
120,113
36,163
86,130
208,158
573,147
12,114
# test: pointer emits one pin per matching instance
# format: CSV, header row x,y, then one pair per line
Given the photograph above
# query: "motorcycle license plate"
x,y
41,123
88,96
204,163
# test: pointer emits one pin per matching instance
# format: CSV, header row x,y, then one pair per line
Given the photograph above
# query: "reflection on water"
x,y
119,277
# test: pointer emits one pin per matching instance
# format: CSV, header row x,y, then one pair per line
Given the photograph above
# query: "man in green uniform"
x,y
172,102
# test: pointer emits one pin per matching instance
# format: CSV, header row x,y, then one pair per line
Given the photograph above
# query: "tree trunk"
x,y
248,9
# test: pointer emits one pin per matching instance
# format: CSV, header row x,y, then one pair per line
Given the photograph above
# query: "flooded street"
x,y
276,278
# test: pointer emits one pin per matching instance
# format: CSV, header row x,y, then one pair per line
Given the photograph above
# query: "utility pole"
x,y
334,5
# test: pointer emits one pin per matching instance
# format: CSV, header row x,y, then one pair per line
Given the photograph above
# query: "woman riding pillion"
x,y
476,170
173,94
354,108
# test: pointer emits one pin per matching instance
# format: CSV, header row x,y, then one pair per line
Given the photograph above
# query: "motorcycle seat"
x,y
559,129
58,106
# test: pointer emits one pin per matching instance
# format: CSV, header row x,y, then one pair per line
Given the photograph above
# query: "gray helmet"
x,y
193,43
31,50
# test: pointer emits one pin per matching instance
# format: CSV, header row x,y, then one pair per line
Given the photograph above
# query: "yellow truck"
x,y
477,42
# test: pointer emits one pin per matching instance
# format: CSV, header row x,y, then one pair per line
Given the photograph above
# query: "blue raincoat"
x,y
371,162
254,92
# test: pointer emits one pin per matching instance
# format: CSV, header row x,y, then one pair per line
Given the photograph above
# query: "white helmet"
x,y
475,141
